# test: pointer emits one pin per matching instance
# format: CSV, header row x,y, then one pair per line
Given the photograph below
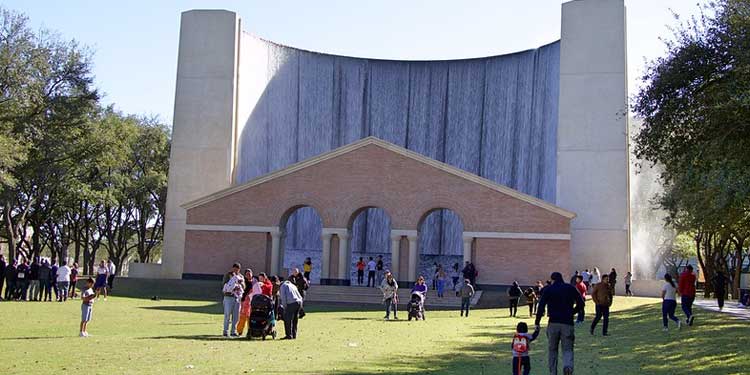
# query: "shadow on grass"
x,y
214,309
33,338
191,338
716,345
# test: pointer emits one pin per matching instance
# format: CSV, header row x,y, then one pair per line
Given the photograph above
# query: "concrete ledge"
x,y
201,276
144,270
338,282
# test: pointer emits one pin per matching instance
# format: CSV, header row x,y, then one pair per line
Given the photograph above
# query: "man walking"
x,y
602,297
561,301
379,268
686,287
291,301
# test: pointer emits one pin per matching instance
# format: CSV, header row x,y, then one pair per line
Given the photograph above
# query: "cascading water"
x,y
495,117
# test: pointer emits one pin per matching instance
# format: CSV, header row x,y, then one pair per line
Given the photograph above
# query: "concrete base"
x,y
339,282
647,288
144,270
201,276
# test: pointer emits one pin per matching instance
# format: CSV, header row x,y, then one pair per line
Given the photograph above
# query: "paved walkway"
x,y
732,308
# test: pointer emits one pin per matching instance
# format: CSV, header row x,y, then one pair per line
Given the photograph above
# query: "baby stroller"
x,y
416,306
262,317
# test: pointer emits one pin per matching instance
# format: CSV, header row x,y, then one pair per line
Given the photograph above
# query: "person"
x,y
252,288
586,278
371,265
111,275
561,301
379,269
299,281
514,295
11,274
22,280
420,286
87,306
720,288
581,288
275,282
596,277
441,281
613,280
361,271
686,287
538,291
266,285
628,284
34,291
52,277
602,297
307,267
233,291
466,292
530,296
389,287
520,347
291,302
100,285
455,275
470,272
434,275
63,281
73,280
3,266
574,278
45,288
669,302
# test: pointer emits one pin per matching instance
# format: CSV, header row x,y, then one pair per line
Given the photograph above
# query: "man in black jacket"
x,y
298,279
10,281
562,301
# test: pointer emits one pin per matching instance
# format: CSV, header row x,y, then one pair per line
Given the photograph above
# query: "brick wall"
x,y
213,252
501,261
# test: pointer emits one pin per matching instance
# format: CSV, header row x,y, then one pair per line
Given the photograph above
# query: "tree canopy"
x,y
695,106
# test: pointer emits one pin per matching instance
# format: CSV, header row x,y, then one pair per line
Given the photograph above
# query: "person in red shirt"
x,y
686,288
581,287
266,287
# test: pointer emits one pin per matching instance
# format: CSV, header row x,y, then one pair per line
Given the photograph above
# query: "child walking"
x,y
87,305
441,281
520,346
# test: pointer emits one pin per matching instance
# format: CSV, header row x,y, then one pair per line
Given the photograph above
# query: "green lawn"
x,y
139,336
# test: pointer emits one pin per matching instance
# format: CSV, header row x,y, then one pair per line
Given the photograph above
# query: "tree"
x,y
696,113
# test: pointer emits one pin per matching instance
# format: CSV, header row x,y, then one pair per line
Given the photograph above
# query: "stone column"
x,y
467,248
325,260
344,256
275,252
395,253
413,256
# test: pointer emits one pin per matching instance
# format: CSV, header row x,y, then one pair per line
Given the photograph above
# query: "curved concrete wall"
x,y
495,117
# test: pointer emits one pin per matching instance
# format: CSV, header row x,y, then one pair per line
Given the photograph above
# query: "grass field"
x,y
140,336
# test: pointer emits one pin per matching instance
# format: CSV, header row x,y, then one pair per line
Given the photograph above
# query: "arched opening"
x,y
301,228
440,244
370,237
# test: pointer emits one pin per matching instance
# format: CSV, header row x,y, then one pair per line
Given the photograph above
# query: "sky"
x,y
134,42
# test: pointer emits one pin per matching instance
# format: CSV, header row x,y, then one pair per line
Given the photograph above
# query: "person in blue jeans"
x,y
389,287
466,292
233,290
561,301
669,302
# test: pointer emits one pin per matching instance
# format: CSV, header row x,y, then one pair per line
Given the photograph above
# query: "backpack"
x,y
520,343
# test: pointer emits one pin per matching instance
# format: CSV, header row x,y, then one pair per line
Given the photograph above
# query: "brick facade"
x,y
374,174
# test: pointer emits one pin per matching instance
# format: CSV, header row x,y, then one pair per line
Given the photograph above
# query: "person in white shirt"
x,y
669,302
63,282
371,267
291,301
101,279
87,306
111,276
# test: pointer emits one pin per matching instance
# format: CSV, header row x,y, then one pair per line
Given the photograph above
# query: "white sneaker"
x,y
665,329
82,334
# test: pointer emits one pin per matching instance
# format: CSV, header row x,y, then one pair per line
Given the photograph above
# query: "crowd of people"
x,y
47,280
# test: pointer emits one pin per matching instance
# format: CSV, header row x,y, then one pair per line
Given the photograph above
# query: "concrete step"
x,y
361,295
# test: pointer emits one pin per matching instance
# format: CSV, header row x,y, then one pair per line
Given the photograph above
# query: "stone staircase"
x,y
373,296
